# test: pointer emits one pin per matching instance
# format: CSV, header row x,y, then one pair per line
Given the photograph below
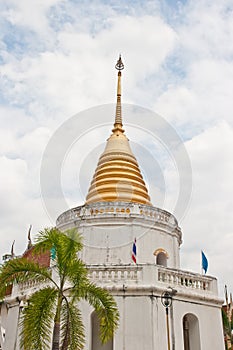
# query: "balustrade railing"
x,y
124,274
119,209
32,284
184,279
140,274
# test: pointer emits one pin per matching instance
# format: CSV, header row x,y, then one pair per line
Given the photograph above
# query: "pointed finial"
x,y
12,250
118,118
119,66
29,237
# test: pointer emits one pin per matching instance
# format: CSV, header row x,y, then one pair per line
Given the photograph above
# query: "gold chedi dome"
x,y
117,177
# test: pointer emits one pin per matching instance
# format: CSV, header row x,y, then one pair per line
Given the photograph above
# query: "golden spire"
x,y
118,118
117,177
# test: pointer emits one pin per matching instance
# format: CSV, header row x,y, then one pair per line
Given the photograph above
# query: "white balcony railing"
x,y
108,209
141,274
116,274
187,280
152,275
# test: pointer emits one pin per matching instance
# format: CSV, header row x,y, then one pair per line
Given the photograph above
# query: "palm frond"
x,y
67,245
49,237
21,270
67,251
77,273
46,239
72,244
104,305
37,319
72,330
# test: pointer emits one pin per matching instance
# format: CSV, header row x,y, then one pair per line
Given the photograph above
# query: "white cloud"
x,y
66,79
199,95
208,223
206,30
20,205
32,15
179,65
202,98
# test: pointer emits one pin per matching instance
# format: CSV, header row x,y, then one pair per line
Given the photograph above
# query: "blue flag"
x,y
204,262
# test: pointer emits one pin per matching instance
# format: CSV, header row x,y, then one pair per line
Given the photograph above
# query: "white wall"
x,y
108,236
143,323
210,324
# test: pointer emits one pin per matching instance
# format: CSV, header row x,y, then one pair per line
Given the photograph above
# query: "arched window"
x,y
161,257
191,332
95,338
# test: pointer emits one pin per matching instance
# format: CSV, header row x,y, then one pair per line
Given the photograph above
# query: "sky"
x,y
57,61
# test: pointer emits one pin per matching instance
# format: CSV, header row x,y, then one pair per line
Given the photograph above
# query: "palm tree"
x,y
52,315
227,329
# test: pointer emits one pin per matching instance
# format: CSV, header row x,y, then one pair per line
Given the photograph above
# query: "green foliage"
x,y
227,327
72,329
58,302
21,270
225,321
104,305
37,318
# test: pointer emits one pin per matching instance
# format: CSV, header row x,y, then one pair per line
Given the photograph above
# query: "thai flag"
x,y
134,252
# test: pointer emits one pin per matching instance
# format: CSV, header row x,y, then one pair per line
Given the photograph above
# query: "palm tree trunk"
x,y
56,336
56,327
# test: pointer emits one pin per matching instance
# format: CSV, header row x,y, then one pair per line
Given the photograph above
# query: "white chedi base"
x,y
109,229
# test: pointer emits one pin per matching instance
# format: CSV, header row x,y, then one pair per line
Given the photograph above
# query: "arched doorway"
x,y
95,339
161,257
191,332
